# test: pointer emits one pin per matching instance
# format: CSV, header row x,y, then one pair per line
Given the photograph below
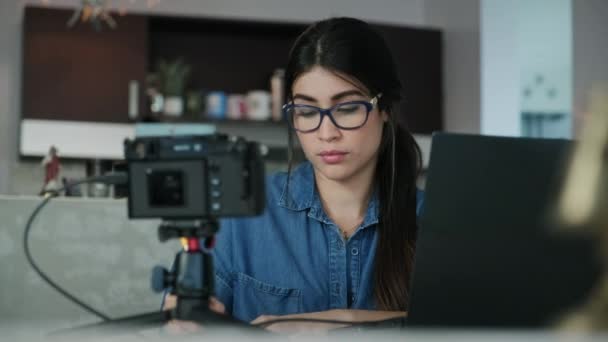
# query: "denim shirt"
x,y
293,258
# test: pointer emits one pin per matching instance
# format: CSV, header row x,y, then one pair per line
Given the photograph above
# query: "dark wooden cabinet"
x,y
418,55
228,55
80,74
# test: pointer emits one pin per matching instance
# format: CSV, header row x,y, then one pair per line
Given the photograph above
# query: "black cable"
x,y
113,178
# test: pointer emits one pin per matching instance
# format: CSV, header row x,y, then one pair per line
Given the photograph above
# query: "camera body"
x,y
193,177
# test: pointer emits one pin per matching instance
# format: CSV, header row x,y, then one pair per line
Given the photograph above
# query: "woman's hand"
x,y
175,326
343,315
214,304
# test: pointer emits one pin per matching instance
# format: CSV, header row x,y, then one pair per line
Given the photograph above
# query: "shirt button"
x,y
354,251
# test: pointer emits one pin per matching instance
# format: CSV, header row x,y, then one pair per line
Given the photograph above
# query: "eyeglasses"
x,y
348,115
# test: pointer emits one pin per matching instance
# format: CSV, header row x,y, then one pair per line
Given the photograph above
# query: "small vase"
x,y
174,106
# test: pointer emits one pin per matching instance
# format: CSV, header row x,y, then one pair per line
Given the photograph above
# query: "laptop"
x,y
487,255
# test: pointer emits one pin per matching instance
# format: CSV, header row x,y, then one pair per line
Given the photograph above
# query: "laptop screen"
x,y
486,254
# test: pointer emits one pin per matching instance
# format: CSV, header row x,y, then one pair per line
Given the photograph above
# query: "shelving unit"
x,y
82,75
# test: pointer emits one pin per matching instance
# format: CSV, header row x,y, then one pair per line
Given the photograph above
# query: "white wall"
x,y
526,45
499,68
459,21
545,50
590,51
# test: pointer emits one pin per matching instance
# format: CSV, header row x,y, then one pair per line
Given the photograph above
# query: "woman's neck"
x,y
347,200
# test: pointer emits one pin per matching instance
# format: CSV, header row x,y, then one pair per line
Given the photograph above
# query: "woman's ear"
x,y
384,115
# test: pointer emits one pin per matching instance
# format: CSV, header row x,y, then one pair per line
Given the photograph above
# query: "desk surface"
x,y
22,331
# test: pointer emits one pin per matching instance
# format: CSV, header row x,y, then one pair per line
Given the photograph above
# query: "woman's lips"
x,y
333,157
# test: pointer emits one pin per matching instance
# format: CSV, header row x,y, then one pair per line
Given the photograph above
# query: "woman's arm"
x,y
353,316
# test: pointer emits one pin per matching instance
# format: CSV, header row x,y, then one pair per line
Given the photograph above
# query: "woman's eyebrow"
x,y
335,97
344,94
304,97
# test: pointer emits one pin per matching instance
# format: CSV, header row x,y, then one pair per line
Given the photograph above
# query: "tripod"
x,y
192,277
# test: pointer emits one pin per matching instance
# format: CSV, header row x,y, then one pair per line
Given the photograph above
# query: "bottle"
x,y
276,89
259,106
133,100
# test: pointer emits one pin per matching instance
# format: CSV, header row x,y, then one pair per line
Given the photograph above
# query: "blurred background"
x,y
83,75
80,74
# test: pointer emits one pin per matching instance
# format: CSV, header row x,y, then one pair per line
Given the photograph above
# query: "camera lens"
x,y
166,188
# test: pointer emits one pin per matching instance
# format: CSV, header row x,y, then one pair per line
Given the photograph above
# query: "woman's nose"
x,y
328,131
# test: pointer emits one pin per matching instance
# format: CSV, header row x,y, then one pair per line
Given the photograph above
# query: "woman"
x,y
336,240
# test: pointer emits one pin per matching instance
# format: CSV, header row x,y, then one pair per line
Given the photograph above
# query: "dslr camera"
x,y
194,177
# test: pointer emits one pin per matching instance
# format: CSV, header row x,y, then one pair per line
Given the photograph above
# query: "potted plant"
x,y
173,77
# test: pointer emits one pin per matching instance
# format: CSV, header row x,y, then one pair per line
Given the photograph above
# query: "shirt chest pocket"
x,y
253,298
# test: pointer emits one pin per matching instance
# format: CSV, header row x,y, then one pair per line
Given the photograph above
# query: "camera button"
x,y
215,181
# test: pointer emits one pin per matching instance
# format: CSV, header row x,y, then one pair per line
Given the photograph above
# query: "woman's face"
x,y
338,154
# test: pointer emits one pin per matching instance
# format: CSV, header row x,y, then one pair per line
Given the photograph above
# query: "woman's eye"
x,y
306,112
348,109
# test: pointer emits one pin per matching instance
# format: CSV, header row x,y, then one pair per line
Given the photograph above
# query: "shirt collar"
x,y
300,193
299,189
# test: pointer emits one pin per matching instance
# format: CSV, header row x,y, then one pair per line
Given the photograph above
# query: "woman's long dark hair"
x,y
352,47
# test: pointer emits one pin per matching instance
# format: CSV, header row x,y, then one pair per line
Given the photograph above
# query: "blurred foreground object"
x,y
582,205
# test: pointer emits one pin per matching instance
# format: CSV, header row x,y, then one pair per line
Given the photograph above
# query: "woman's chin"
x,y
335,172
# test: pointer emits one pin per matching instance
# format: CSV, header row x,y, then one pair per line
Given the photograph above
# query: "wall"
x,y
499,68
590,51
459,21
545,57
526,62
10,66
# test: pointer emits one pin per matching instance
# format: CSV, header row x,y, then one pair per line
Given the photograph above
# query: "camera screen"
x,y
166,188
